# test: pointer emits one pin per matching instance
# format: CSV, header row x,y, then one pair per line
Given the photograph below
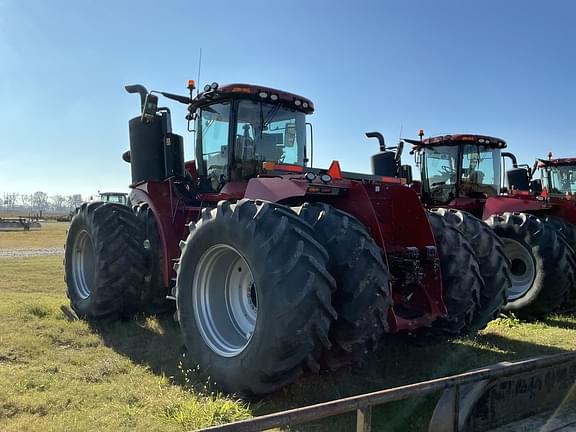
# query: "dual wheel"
x,y
298,289
475,271
112,262
527,264
542,262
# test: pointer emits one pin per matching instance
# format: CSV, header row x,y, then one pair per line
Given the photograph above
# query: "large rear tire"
x,y
253,296
362,298
542,272
104,260
461,280
493,263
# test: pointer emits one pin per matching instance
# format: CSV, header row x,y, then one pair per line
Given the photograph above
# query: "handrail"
x,y
363,403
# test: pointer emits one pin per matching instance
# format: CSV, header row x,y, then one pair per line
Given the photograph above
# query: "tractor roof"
x,y
256,92
556,162
456,139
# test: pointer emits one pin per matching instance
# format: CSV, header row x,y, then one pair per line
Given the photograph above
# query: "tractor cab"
x,y
458,166
558,175
113,197
240,131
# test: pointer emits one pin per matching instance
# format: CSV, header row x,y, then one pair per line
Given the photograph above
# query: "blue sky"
x,y
503,68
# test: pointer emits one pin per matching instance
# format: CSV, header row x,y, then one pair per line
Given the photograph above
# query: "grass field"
x,y
52,234
61,375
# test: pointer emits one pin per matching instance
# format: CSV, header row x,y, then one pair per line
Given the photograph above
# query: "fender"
x,y
518,204
274,189
171,224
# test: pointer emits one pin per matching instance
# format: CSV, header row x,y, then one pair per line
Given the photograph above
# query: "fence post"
x,y
456,410
364,419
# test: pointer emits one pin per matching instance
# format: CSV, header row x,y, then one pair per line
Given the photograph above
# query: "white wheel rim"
x,y
225,300
522,269
83,264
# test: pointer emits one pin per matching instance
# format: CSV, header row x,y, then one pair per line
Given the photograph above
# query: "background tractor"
x,y
550,198
276,267
463,173
113,197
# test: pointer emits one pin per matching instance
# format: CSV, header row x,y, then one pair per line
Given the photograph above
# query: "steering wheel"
x,y
444,170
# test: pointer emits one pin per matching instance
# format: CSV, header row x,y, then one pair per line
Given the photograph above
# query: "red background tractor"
x,y
463,173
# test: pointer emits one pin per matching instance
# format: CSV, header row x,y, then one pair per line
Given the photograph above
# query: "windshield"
x,y
563,179
480,170
439,173
120,199
263,132
267,132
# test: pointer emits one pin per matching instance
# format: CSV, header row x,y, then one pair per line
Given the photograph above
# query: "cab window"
x,y
212,130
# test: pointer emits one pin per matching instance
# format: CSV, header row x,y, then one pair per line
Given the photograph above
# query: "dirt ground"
x,y
29,252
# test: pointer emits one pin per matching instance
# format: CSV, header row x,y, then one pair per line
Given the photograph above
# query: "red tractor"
x,y
551,203
275,267
461,175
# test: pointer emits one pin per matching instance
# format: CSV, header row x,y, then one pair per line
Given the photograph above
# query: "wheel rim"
x,y
523,270
225,300
83,264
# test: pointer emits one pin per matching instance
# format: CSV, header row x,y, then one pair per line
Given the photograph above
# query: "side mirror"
x,y
126,156
536,186
405,171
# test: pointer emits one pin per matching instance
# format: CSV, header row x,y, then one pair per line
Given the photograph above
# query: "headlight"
x,y
310,176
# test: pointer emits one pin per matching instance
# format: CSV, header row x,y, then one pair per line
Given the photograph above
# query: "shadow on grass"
x,y
156,343
559,323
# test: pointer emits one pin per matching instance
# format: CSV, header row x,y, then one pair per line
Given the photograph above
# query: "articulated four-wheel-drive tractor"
x,y
461,179
275,267
527,215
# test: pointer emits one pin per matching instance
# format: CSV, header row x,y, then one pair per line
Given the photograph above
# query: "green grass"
x,y
61,375
52,234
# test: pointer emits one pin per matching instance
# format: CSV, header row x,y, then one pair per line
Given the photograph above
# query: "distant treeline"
x,y
39,202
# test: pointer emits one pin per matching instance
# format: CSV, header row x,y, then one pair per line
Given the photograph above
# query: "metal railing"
x,y
363,404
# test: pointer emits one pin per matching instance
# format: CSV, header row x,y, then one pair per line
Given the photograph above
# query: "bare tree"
x,y
40,200
58,202
10,200
74,201
24,200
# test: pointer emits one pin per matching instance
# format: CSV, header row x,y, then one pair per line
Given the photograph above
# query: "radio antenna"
x,y
199,69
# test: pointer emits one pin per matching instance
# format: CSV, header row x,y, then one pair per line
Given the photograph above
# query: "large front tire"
x,y
493,263
362,298
542,272
253,296
104,260
461,280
